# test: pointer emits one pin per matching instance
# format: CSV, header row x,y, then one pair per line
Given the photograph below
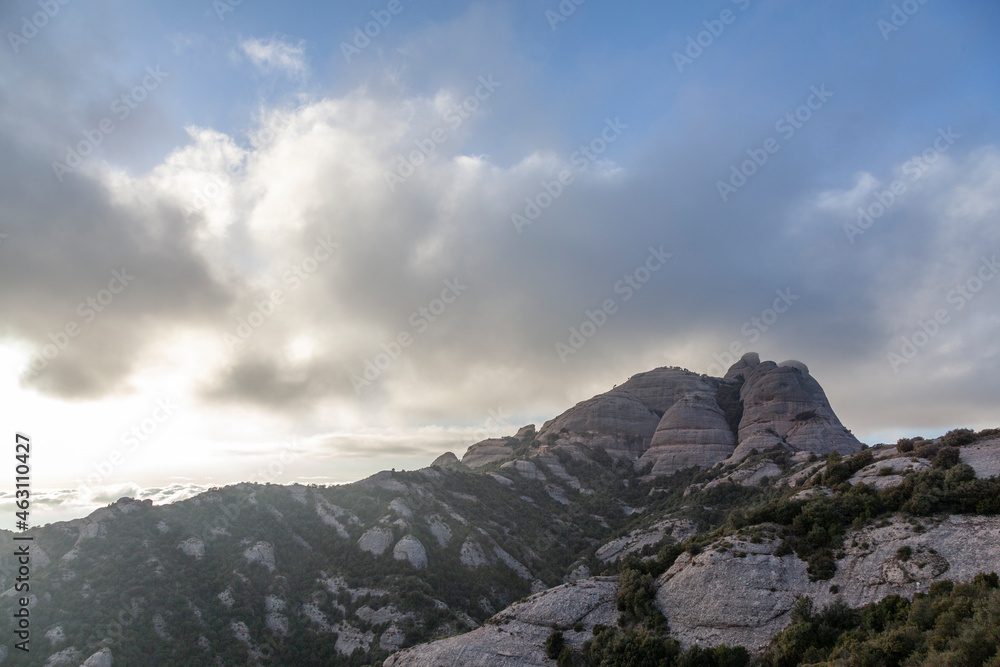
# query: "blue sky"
x,y
258,153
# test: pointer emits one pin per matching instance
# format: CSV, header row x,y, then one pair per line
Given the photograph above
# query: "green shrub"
x,y
952,624
632,648
958,437
946,458
554,644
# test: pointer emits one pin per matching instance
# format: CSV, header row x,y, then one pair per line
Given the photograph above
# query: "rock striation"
x,y
693,432
669,419
784,404
624,420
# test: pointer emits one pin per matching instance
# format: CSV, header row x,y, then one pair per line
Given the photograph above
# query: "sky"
x,y
304,242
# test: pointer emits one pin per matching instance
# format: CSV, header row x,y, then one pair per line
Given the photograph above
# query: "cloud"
x,y
274,54
51,505
297,268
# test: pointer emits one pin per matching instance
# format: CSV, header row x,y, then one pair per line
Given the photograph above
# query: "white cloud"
x,y
275,54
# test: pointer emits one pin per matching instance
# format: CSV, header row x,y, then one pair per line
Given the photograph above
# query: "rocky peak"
x,y
448,458
672,418
784,404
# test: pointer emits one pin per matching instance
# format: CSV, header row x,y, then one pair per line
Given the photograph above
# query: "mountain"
x,y
676,515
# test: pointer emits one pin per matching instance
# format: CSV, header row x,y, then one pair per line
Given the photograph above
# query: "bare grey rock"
x,y
193,547
516,636
761,441
102,658
399,506
506,481
813,492
743,595
471,554
375,540
984,457
788,402
623,421
263,553
617,422
525,433
889,473
392,638
638,539
446,459
351,638
512,563
693,432
410,549
487,451
742,368
750,475
439,529
525,469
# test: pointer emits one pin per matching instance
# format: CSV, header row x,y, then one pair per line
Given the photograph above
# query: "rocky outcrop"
x,y
624,420
783,403
741,369
693,432
375,540
193,547
411,550
984,457
640,538
887,474
525,433
263,553
446,459
743,594
669,418
487,451
516,636
102,658
525,469
472,555
750,475
617,422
